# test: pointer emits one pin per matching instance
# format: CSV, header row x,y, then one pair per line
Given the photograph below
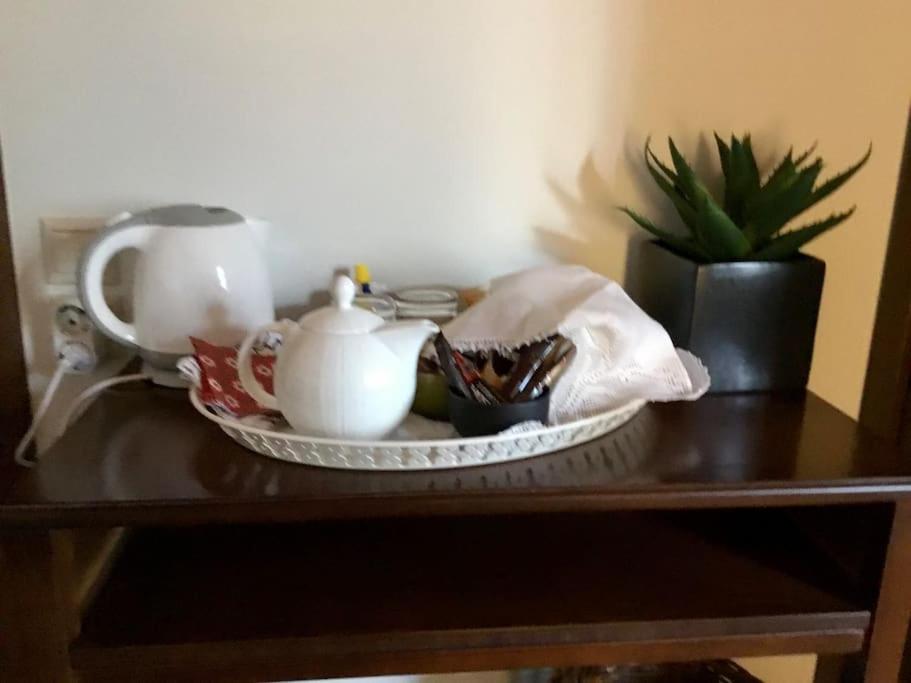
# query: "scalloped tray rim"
x,y
628,409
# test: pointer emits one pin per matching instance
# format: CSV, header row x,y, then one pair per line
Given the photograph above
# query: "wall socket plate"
x,y
62,242
72,325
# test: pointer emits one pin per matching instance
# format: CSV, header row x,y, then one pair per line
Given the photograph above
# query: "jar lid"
x,y
341,317
437,303
380,304
427,296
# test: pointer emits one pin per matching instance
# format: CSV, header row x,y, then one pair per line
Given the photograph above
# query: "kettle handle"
x,y
117,237
244,368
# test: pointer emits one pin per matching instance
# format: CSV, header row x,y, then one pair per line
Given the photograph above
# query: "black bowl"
x,y
471,418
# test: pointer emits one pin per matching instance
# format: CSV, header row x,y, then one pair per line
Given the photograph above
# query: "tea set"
x,y
341,371
344,373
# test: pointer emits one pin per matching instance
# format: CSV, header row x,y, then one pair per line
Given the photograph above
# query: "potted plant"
x,y
735,288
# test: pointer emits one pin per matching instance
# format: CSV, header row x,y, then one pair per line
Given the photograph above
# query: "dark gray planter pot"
x,y
752,323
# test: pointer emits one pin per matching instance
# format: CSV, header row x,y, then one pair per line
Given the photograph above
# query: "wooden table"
x,y
734,526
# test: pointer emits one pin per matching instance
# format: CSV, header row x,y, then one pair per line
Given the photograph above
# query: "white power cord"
x,y
74,357
78,406
22,447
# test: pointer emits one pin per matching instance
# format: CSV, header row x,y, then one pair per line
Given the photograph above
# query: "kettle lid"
x,y
342,317
194,215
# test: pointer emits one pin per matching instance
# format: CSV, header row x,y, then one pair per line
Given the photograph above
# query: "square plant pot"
x,y
753,323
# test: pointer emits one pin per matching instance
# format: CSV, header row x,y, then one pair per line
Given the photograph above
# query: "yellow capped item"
x,y
361,273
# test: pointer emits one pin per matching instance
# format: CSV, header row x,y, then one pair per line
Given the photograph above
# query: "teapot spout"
x,y
406,337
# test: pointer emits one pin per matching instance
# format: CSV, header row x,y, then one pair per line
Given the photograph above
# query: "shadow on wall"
x,y
592,233
596,234
648,91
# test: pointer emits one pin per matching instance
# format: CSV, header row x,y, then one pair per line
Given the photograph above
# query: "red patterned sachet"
x,y
219,384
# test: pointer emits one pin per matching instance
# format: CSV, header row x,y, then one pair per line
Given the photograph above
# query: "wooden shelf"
x,y
82,559
144,456
733,526
351,598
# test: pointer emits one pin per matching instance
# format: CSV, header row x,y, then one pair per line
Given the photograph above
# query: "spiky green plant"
x,y
749,223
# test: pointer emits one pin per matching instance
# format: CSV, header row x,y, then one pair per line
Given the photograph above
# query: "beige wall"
x,y
834,71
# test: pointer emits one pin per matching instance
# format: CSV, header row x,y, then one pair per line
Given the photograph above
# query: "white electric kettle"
x,y
200,273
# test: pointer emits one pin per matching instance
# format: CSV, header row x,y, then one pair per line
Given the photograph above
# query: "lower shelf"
x,y
332,599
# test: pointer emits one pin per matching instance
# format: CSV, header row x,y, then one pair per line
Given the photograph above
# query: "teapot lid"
x,y
341,317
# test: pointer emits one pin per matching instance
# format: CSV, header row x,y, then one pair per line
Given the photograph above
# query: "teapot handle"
x,y
244,369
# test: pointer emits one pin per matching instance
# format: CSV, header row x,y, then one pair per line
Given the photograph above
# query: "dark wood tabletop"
x,y
143,455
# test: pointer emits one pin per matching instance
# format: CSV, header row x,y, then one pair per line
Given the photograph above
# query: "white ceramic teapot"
x,y
341,371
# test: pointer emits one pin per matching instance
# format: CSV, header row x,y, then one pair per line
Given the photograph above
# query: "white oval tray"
x,y
419,455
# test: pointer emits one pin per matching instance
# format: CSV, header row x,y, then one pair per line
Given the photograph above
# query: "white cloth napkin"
x,y
622,354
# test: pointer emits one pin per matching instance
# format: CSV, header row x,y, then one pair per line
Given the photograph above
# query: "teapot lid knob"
x,y
343,291
342,317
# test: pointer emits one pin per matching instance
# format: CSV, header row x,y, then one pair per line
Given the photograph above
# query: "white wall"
x,y
412,135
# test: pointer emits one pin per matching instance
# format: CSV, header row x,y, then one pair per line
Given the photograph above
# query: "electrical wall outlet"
x,y
74,330
62,242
